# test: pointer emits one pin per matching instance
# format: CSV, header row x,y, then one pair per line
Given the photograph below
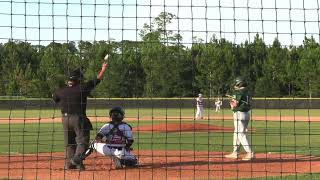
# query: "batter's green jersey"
x,y
243,99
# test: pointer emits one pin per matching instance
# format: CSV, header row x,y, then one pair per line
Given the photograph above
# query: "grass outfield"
x,y
290,177
284,137
184,112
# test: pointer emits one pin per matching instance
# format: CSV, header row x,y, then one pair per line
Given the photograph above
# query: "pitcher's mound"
x,y
182,127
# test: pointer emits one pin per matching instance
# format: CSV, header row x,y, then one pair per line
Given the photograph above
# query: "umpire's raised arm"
x,y
103,67
93,83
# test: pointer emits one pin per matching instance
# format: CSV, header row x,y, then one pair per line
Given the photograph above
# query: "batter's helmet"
x,y
116,114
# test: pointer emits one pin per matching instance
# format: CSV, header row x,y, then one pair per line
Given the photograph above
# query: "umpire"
x,y
73,100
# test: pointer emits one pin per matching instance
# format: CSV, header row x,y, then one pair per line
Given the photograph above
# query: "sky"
x,y
44,21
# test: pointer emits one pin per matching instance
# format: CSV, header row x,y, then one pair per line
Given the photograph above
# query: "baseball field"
x,y
169,143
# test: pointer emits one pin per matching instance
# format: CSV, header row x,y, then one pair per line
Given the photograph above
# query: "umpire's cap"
x,y
76,75
117,109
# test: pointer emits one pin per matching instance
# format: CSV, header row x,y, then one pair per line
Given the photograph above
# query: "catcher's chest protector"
x,y
116,136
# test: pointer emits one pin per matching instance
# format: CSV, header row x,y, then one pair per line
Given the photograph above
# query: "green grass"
x,y
143,112
285,137
290,177
267,136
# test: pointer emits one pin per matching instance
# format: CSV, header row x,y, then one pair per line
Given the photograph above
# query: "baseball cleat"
x,y
249,157
69,167
80,167
117,163
233,155
77,164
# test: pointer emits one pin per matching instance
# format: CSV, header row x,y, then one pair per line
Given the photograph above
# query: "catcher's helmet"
x,y
116,114
76,75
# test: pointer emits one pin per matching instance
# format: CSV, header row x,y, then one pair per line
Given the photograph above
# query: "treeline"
x,y
161,66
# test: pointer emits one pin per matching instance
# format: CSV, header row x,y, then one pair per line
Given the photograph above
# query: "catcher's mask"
x,y
116,114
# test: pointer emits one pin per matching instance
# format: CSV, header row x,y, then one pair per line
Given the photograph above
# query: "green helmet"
x,y
239,82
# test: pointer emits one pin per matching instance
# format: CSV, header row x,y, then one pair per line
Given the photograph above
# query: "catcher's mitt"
x,y
233,103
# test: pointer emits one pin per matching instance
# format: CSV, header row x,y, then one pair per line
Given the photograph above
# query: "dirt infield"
x,y
182,127
165,118
158,165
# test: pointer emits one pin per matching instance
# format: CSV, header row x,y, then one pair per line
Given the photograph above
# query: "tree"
x,y
214,62
163,64
57,62
18,58
272,82
2,80
310,68
125,76
256,55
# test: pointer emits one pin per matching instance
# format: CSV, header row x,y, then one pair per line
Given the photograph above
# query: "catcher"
x,y
115,139
240,105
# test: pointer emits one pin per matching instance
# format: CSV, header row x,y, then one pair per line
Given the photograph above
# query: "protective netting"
x,y
173,66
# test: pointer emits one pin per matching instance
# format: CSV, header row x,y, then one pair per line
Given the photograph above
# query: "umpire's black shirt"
x,y
73,99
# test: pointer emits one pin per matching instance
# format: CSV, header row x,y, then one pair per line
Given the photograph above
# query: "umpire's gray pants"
x,y
76,135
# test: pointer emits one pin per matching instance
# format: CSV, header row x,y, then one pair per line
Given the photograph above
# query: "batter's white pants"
x,y
217,108
200,112
105,149
240,135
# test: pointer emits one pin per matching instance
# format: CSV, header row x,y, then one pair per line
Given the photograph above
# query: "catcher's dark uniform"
x,y
76,125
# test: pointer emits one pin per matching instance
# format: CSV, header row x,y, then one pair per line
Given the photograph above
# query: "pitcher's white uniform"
x,y
115,145
240,106
240,137
200,109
